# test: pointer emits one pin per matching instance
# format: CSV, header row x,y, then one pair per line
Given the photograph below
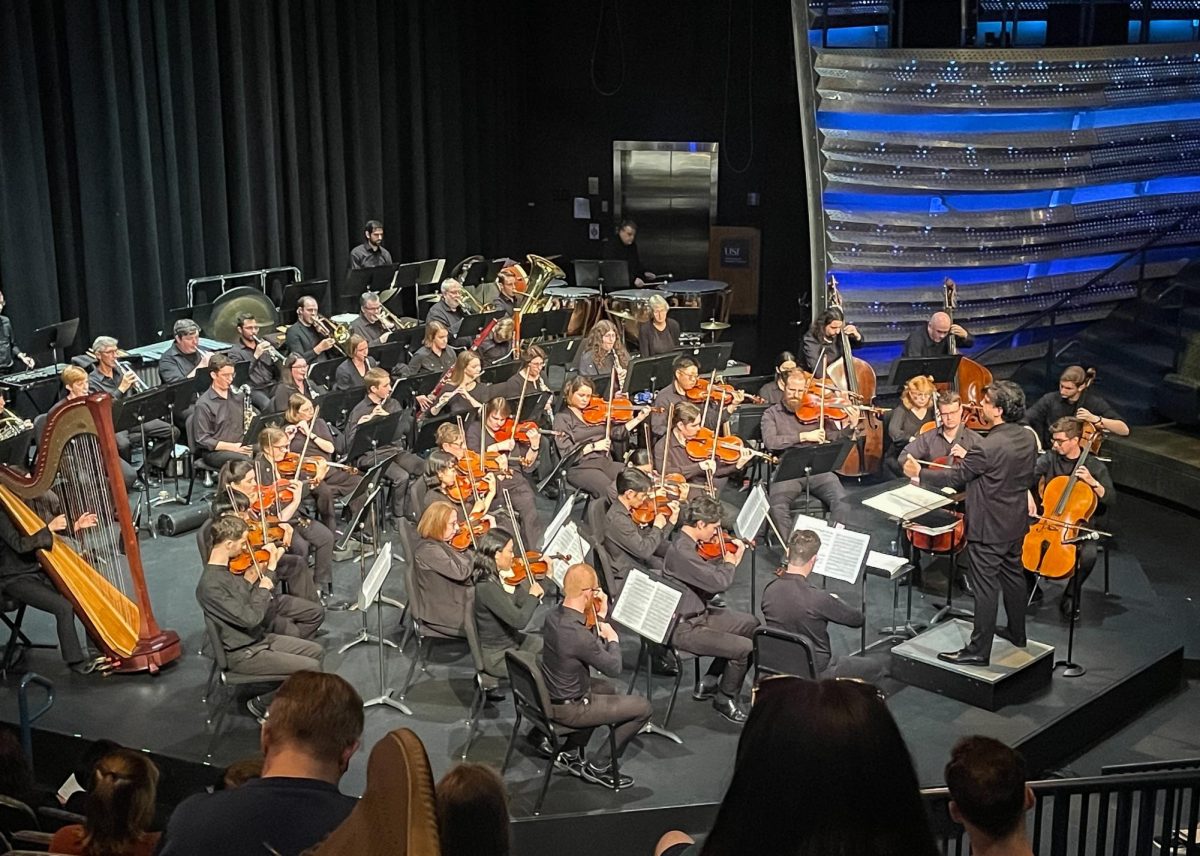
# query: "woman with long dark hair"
x,y
120,806
294,381
822,343
858,793
502,608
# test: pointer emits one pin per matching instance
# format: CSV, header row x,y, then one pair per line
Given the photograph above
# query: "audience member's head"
x,y
859,794
85,769
988,794
120,803
314,727
16,777
240,772
472,812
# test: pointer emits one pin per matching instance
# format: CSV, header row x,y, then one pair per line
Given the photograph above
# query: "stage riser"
x,y
1012,690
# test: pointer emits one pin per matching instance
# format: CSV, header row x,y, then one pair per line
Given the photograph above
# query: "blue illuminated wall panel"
x,y
1019,173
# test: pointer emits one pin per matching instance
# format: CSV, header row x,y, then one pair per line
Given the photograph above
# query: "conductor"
x,y
997,474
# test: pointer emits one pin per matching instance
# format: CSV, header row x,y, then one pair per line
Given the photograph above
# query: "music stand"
x,y
317,289
257,424
942,369
811,459
407,388
377,279
427,431
322,372
645,659
561,352
335,406
370,591
134,411
472,325
712,358
499,372
650,373
200,313
55,339
586,273
371,436
475,273
532,407
387,354
409,341
547,324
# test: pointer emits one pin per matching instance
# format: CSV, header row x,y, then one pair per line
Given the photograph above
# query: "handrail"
x,y
1087,286
1136,812
262,275
23,709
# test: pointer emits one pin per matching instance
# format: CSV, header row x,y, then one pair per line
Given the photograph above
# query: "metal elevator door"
x,y
670,191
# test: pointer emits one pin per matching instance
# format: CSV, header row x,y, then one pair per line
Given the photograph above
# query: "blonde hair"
x,y
72,375
918,384
433,522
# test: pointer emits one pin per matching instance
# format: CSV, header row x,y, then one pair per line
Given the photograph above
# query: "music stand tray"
x,y
942,369
427,431
547,324
473,324
407,388
335,406
561,352
54,339
292,292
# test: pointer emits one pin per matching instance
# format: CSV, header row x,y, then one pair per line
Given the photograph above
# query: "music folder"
x,y
646,606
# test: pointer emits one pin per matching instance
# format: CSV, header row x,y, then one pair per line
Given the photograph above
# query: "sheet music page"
x,y
907,501
885,561
568,542
841,554
645,606
803,521
754,512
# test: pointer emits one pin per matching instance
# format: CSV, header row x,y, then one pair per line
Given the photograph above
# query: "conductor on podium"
x,y
997,475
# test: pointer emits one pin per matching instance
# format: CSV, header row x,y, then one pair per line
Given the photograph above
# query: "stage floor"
x,y
1122,639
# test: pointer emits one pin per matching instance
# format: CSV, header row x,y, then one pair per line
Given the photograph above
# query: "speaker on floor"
x,y
182,518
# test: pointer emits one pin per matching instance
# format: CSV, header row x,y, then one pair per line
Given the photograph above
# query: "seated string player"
x,y
790,602
723,634
222,417
571,649
311,436
933,340
442,479
631,544
686,379
517,459
245,612
443,572
672,448
594,467
503,607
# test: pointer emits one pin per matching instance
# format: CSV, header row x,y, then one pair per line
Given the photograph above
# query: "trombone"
x,y
340,333
391,322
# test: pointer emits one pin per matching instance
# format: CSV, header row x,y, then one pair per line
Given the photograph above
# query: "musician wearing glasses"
x,y
434,356
686,376
378,404
185,356
294,382
368,324
448,310
303,338
350,373
262,356
12,358
16,436
221,418
116,378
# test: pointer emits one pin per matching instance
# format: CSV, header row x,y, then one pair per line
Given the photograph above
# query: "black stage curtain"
x,y
144,143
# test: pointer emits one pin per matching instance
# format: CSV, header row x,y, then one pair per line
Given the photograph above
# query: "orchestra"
x,y
651,478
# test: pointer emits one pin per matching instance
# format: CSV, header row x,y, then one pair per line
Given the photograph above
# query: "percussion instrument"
x,y
32,377
584,304
633,306
708,295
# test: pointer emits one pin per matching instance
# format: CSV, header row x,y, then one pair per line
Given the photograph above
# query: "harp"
x,y
99,569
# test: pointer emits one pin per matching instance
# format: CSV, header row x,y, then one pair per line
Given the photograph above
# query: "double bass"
x,y
856,376
972,378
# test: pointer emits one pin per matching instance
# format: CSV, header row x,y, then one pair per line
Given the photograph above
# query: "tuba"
x,y
542,272
77,461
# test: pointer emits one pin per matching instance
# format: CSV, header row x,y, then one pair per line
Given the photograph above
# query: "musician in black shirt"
x,y
448,311
116,379
570,651
263,358
378,404
12,358
367,324
933,340
506,299
185,356
370,253
1075,397
625,249
790,602
221,418
997,475
304,339
822,343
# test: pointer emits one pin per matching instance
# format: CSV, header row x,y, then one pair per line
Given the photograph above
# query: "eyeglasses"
x,y
1059,441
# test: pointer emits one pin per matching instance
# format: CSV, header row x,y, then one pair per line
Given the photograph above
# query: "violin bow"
x,y
304,449
516,530
612,390
467,521
707,398
667,439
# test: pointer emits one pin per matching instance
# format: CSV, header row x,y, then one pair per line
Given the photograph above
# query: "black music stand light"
x,y
942,369
810,459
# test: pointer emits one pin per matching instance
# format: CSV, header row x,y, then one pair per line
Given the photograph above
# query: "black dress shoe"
x,y
706,688
1004,634
604,776
663,666
1068,607
496,694
717,601
729,709
962,658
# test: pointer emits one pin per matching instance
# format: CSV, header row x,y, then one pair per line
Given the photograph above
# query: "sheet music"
x,y
885,561
568,542
803,521
646,606
842,553
754,512
907,501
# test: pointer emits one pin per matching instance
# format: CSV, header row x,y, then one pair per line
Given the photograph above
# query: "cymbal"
x,y
714,325
385,296
617,313
430,297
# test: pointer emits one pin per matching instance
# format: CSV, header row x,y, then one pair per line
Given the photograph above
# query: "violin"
x,y
656,503
275,535
467,533
472,465
720,547
720,393
287,466
591,612
268,495
466,488
243,562
599,410
728,448
534,563
517,431
1068,503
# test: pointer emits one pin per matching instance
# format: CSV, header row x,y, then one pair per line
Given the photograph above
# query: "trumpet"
x,y
139,385
271,349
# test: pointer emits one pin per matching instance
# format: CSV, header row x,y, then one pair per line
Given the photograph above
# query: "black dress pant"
x,y
312,536
293,616
605,706
996,573
36,589
724,635
825,487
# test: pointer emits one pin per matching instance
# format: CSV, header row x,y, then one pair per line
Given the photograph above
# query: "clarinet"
x,y
436,392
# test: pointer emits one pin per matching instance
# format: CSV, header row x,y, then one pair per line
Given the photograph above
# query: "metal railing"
x,y
26,718
224,278
1095,281
1133,814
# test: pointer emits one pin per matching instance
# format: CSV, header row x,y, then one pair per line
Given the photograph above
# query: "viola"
x,y
268,495
472,465
534,563
720,393
728,448
591,612
467,533
599,410
275,535
712,549
243,562
516,431
812,406
288,464
656,503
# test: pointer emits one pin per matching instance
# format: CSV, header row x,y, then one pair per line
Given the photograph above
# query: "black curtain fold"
x,y
147,142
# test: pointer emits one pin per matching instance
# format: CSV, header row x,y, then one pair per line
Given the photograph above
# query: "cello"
x,y
1067,504
856,376
972,378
